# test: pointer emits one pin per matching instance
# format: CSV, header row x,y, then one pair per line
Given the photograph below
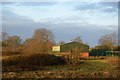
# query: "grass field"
x,y
99,68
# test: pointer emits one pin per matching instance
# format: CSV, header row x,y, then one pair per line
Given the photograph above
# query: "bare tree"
x,y
30,45
61,43
41,42
4,36
11,45
10,40
43,35
77,39
109,41
13,41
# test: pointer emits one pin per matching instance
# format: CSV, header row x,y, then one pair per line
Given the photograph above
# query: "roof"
x,y
74,43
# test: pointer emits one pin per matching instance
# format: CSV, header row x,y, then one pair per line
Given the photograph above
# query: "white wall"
x,y
56,48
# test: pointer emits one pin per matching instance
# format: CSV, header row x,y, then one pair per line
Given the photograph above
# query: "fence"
x,y
103,52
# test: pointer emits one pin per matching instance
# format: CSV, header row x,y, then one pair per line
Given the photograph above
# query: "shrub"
x,y
11,51
31,61
43,59
12,60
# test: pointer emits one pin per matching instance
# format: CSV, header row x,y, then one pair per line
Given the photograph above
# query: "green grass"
x,y
94,65
83,66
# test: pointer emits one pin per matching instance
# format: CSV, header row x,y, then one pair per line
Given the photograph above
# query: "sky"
x,y
67,20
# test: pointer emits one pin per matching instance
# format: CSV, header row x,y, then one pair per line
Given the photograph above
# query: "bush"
x,y
31,61
11,51
43,59
12,60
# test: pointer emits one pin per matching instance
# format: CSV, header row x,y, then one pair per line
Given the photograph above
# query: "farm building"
x,y
70,47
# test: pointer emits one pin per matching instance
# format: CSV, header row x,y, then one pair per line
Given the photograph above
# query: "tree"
x,y
44,38
11,45
29,45
77,39
108,41
4,36
13,41
61,43
43,35
41,42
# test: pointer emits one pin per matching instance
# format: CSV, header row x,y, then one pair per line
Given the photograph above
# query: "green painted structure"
x,y
103,52
68,47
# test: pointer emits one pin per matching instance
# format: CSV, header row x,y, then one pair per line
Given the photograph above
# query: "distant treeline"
x,y
43,40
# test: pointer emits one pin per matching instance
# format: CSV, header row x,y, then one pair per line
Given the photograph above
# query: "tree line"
x,y
43,40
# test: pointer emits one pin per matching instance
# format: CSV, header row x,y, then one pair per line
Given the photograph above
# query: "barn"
x,y
67,48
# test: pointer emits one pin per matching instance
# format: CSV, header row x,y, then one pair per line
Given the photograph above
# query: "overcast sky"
x,y
90,20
